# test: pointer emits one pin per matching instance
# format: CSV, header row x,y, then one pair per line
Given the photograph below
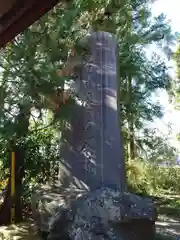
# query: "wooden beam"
x,y
5,6
24,14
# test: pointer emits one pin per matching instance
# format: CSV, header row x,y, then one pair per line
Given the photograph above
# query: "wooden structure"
x,y
17,15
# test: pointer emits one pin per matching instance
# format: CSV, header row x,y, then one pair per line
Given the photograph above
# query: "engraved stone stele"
x,y
93,150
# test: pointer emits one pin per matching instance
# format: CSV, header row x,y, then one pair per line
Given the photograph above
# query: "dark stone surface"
x,y
136,229
51,204
104,212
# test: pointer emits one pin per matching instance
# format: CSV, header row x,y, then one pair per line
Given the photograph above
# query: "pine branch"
x,y
45,127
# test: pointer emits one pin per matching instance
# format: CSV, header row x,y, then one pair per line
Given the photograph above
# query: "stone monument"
x,y
93,153
93,161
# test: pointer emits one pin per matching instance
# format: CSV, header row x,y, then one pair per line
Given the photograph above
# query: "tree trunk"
x,y
131,144
19,149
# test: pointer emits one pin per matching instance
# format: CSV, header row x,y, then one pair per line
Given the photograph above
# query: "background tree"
x,y
174,92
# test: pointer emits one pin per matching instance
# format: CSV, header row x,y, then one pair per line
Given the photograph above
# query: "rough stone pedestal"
x,y
49,202
101,214
106,214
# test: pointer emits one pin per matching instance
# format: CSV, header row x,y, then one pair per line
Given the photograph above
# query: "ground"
x,y
168,206
22,231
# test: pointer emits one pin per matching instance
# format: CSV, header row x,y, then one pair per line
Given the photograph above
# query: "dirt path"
x,y
168,224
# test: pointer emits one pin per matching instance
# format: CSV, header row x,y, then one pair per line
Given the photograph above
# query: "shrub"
x,y
147,178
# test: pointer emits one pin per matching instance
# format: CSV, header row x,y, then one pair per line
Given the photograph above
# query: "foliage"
x,y
174,92
141,76
157,148
147,178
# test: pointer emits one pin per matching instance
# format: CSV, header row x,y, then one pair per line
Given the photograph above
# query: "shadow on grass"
x,y
163,237
169,206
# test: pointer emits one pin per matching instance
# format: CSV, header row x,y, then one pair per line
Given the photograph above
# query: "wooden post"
x,y
13,187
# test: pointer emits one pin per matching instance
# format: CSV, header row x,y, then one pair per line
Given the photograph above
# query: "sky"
x,y
171,9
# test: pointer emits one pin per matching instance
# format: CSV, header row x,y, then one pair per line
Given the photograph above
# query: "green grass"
x,y
167,205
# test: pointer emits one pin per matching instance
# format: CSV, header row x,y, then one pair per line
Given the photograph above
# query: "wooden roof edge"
x,y
25,17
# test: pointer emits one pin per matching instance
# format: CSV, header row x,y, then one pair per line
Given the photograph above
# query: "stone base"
x,y
48,202
136,229
101,214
